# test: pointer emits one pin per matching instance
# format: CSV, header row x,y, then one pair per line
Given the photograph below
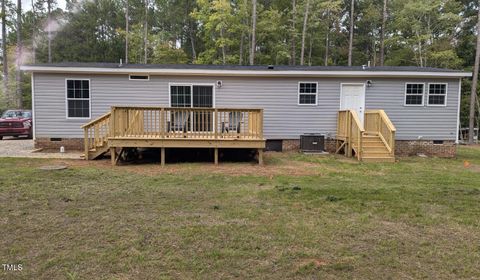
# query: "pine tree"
x,y
473,94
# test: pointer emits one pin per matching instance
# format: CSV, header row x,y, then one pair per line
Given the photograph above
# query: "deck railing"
x,y
190,123
96,133
377,122
350,130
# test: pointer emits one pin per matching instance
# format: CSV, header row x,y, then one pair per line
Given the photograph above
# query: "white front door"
x,y
353,98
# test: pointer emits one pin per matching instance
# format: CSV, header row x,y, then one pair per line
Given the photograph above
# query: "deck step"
x,y
376,154
371,139
375,150
373,144
97,151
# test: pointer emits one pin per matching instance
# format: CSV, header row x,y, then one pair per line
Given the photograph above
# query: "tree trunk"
x,y
240,57
18,76
473,94
34,43
145,35
304,32
254,29
192,40
382,34
310,47
191,33
420,51
49,31
327,39
4,49
293,59
350,42
224,54
126,31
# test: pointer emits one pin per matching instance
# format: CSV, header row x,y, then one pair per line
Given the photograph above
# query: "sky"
x,y
27,4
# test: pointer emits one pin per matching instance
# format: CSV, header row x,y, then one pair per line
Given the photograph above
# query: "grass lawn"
x,y
300,216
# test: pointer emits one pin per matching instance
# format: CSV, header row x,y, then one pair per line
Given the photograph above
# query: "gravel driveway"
x,y
22,147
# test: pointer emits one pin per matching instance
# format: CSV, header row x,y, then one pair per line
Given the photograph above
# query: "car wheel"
x,y
1,137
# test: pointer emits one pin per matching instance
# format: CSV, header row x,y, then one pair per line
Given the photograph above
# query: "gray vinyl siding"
x,y
283,117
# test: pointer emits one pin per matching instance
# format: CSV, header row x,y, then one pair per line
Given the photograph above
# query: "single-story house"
x,y
420,106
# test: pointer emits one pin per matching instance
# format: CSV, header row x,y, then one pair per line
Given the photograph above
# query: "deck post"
x,y
348,151
113,155
215,121
215,156
86,142
260,156
162,156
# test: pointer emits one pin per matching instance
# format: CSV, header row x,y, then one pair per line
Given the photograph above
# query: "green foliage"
x,y
165,54
432,33
445,59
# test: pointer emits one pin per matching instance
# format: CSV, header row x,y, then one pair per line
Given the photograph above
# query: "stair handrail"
x,y
387,132
90,123
356,133
350,130
385,129
96,133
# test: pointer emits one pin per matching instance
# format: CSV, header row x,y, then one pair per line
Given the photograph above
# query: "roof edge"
x,y
238,72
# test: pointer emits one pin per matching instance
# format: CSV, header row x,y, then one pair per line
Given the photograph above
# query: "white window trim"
x,y
140,80
89,99
191,91
298,93
405,95
428,95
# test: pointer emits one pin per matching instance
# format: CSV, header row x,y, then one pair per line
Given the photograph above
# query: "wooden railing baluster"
x,y
170,123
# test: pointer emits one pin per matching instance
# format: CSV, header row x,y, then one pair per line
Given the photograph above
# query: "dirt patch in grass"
x,y
287,168
298,217
471,166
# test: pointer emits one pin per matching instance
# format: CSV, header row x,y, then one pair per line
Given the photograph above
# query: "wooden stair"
x,y
370,141
96,135
375,150
98,151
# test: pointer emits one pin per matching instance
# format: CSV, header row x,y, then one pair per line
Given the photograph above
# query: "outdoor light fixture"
x,y
369,83
219,84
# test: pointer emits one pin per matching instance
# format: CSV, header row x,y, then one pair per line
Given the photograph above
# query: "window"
x,y
414,94
437,94
78,98
191,96
180,96
307,93
202,96
139,77
196,96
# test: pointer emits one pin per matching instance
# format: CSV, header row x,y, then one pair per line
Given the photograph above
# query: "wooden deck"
x,y
165,127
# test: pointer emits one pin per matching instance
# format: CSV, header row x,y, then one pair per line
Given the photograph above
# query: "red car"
x,y
16,123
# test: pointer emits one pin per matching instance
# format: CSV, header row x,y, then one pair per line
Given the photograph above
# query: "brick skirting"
x,y
402,147
411,148
294,145
290,145
55,143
